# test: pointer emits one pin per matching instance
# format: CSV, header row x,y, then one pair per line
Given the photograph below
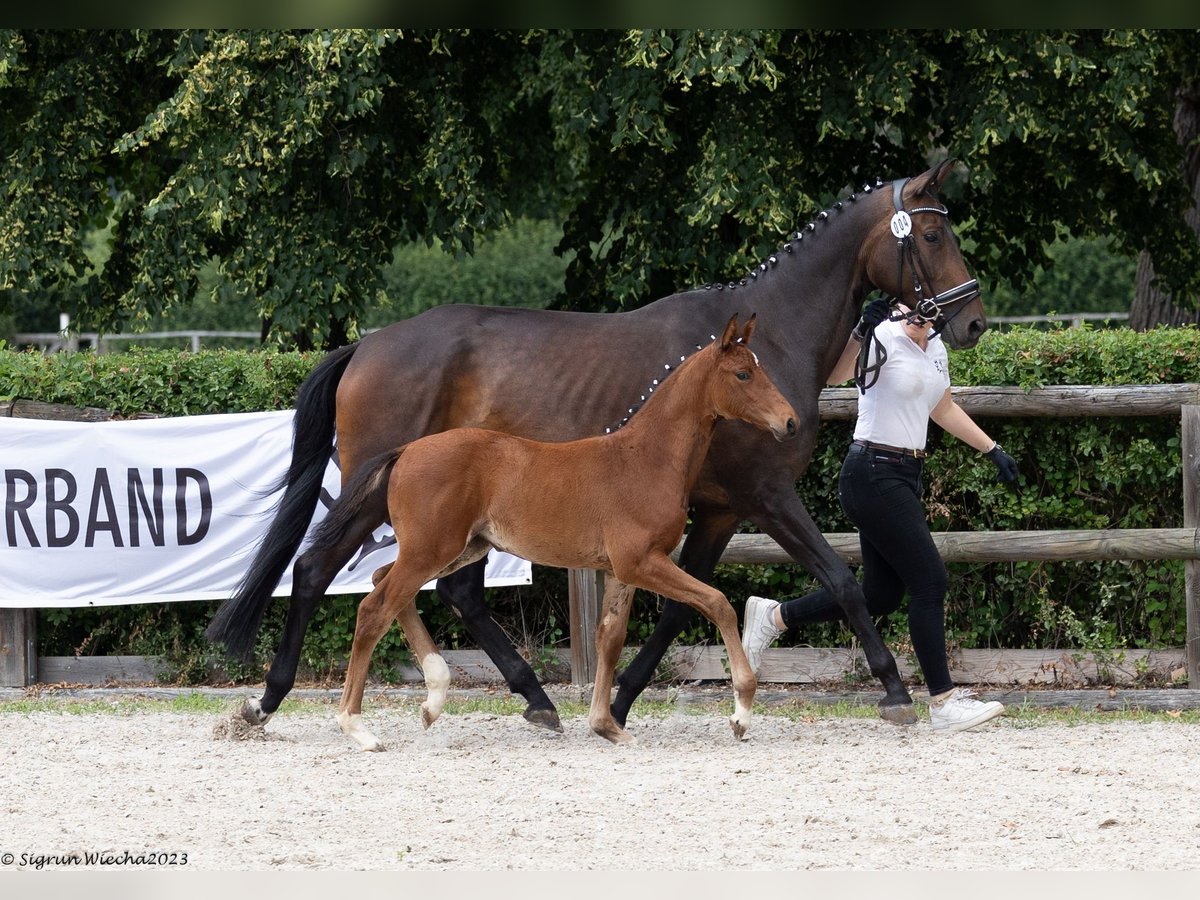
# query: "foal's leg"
x,y
702,548
437,673
657,573
375,615
610,638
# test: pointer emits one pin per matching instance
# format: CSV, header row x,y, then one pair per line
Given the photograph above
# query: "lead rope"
x,y
863,369
866,374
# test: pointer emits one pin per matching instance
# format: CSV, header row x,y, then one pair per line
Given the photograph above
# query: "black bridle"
x,y
925,309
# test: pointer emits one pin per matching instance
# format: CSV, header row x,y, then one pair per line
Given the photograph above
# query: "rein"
x,y
927,309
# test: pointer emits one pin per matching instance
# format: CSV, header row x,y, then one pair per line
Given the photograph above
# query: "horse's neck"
x,y
677,423
808,297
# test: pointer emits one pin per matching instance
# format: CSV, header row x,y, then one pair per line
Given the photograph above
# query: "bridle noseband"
x,y
925,309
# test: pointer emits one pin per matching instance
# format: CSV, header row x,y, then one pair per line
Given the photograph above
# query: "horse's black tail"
x,y
365,496
238,619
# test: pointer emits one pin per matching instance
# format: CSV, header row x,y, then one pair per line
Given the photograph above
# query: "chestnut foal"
x,y
617,502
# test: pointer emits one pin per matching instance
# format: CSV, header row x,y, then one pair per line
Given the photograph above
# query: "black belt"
x,y
903,451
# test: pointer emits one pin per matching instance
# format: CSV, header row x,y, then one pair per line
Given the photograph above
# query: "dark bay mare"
x,y
615,502
557,376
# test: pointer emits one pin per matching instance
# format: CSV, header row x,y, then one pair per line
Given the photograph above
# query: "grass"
x,y
1023,715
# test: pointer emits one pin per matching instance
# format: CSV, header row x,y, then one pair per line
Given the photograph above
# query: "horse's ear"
x,y
930,183
749,329
729,335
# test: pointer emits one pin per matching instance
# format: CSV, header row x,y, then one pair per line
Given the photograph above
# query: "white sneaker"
x,y
759,630
961,711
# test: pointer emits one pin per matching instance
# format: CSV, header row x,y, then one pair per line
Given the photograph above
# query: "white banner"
x,y
151,510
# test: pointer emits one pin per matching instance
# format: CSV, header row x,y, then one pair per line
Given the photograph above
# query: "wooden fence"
x,y
586,589
19,663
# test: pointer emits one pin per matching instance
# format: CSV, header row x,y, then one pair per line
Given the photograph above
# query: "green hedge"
x,y
1077,473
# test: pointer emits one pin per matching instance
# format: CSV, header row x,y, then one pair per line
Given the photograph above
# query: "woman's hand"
x,y
1006,467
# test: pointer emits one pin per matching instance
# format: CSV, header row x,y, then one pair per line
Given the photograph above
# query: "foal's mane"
x,y
790,246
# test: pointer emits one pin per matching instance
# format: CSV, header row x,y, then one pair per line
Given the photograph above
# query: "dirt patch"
x,y
481,791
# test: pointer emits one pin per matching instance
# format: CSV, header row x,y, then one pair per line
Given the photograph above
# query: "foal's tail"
x,y
238,619
365,496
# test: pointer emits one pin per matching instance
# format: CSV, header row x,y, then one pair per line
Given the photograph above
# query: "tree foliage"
x,y
295,162
1081,275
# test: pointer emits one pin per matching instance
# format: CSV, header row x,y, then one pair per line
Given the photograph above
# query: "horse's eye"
x,y
932,237
743,376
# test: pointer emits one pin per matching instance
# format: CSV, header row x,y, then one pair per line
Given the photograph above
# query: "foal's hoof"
x,y
544,718
428,716
610,731
353,728
898,713
252,712
367,743
739,728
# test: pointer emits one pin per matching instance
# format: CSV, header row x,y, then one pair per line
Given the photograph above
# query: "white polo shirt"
x,y
895,410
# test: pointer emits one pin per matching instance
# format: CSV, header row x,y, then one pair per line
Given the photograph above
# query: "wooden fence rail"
x,y
1000,546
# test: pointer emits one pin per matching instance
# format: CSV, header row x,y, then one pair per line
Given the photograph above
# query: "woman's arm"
x,y
955,420
844,370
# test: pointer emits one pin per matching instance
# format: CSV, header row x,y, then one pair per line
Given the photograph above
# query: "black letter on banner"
x,y
14,507
154,515
55,506
102,491
181,480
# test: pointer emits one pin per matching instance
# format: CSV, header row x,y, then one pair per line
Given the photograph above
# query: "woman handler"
x,y
880,492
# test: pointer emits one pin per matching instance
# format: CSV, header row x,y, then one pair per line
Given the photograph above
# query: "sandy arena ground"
x,y
487,792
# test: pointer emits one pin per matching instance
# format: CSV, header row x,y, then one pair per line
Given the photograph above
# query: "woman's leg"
x,y
898,552
882,500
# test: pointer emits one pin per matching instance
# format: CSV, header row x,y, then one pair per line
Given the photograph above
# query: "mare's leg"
x,y
705,543
656,572
375,615
610,638
311,575
462,591
785,519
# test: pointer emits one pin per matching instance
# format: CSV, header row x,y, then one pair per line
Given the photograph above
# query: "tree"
x,y
1153,302
295,162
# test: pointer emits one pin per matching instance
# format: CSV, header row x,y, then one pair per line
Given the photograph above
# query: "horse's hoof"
x,y
544,718
739,730
428,717
622,737
898,713
615,735
351,725
252,712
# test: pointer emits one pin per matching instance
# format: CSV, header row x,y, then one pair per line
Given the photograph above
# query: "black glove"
x,y
1006,466
873,313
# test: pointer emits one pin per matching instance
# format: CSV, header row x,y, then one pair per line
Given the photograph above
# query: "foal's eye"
x,y
743,376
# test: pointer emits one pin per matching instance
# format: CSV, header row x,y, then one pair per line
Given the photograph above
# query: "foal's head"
x,y
740,389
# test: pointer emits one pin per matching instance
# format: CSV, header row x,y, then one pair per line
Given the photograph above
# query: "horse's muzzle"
x,y
786,433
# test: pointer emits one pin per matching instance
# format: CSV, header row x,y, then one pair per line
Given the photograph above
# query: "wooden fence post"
x,y
18,647
585,588
1190,452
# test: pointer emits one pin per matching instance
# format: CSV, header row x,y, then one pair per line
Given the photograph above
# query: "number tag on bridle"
x,y
901,224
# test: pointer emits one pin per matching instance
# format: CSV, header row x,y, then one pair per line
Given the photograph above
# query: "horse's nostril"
x,y
791,426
